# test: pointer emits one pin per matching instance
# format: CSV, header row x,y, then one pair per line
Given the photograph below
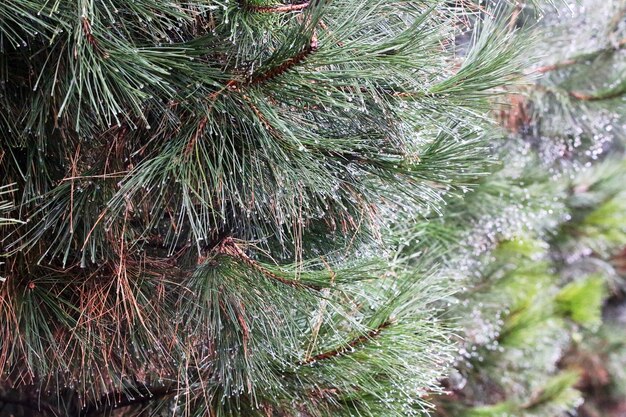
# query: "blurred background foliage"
x,y
544,307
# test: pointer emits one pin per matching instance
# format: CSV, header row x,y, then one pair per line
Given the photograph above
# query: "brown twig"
x,y
231,248
244,326
91,39
288,64
278,9
579,95
194,139
576,60
554,67
515,16
372,334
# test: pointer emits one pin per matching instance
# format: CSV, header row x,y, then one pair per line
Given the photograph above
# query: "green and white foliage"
x,y
577,100
206,192
544,235
535,287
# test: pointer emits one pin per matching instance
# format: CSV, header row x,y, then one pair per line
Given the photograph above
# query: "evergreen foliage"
x,y
271,208
205,195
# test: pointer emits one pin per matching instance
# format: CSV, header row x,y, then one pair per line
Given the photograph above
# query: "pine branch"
x,y
579,59
348,347
287,64
277,8
230,247
607,94
582,96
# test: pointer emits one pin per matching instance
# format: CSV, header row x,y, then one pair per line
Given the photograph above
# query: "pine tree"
x,y
211,200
